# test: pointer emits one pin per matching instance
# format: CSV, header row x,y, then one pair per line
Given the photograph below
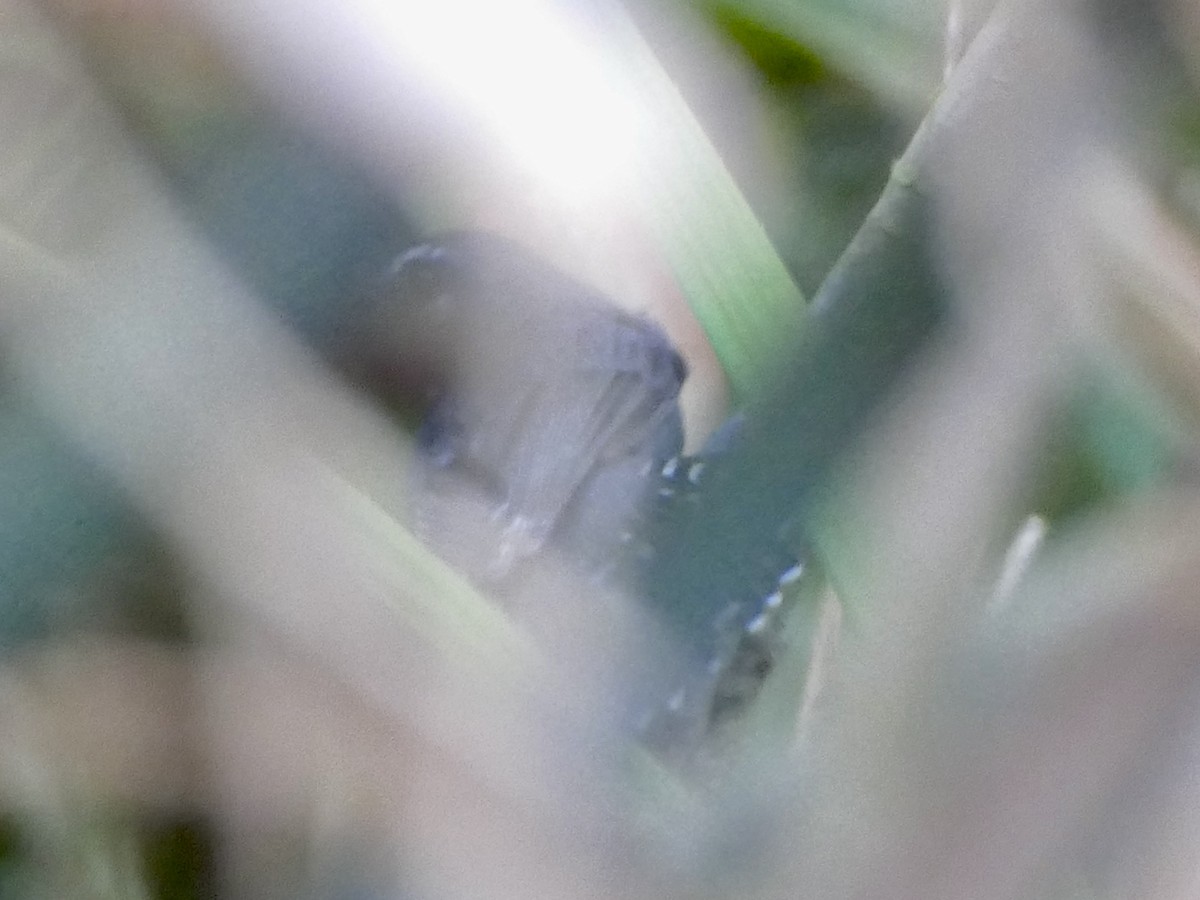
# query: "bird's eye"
x,y
420,273
679,367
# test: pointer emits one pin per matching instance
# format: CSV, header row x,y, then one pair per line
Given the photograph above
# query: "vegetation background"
x,y
943,258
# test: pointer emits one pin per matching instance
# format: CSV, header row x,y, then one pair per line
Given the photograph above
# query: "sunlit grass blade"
x,y
723,259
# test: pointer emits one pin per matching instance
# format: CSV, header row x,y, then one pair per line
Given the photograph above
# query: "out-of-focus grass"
x,y
891,48
832,140
970,439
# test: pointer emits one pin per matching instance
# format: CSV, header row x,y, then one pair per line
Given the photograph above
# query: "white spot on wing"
x,y
792,574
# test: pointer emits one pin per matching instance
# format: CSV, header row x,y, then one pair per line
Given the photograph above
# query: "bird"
x,y
539,400
548,420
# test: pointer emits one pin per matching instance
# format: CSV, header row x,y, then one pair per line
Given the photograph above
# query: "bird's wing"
x,y
603,398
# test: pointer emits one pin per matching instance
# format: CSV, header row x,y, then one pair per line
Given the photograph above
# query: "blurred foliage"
x,y
179,860
1109,442
10,846
892,48
111,858
705,225
302,227
63,519
842,130
782,61
841,82
833,139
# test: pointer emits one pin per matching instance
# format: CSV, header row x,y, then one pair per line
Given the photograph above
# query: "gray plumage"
x,y
546,404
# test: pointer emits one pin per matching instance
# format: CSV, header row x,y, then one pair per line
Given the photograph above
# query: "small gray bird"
x,y
545,405
549,418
